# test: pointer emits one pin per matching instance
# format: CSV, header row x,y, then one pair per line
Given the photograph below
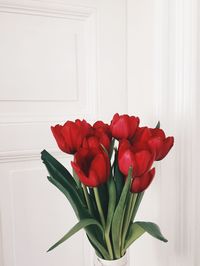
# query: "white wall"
x,y
140,57
162,72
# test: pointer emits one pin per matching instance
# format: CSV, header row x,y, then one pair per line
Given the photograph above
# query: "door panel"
x,y
58,61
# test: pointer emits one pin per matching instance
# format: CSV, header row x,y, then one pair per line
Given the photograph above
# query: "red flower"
x,y
141,162
100,128
123,126
93,143
153,139
69,137
140,183
101,135
92,169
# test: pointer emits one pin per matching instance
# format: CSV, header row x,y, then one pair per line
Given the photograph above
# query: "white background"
x,y
61,60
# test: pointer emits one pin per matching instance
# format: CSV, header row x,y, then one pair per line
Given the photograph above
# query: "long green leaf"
x,y
45,156
66,176
118,177
111,209
103,194
137,229
137,204
112,145
153,229
57,179
82,224
97,245
75,176
118,216
71,193
111,204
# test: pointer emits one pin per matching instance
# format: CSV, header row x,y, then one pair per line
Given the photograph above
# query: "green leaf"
x,y
111,209
118,177
137,204
47,157
137,229
118,216
104,197
76,178
112,145
59,179
158,125
153,229
82,224
111,204
67,189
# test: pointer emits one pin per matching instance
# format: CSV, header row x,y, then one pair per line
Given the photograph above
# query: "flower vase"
x,y
124,261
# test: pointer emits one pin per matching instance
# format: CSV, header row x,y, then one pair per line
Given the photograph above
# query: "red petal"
x,y
133,124
120,129
59,138
91,142
167,145
72,135
83,159
115,118
144,160
94,180
141,183
83,178
126,160
156,144
85,127
157,132
123,146
99,166
105,141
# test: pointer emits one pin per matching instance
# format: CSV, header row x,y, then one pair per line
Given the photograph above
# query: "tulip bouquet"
x,y
111,169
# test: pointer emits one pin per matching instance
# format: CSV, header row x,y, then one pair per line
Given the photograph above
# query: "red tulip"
x,y
85,127
153,139
160,144
140,183
124,126
92,169
69,137
100,128
101,135
93,143
141,161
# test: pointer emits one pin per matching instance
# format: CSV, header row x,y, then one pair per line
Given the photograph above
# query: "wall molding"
x,y
66,11
27,155
87,15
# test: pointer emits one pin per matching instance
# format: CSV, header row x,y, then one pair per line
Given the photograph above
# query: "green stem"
x,y
128,216
99,207
137,204
109,245
87,198
132,207
121,231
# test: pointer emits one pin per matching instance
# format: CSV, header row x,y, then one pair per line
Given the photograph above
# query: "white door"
x,y
59,60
